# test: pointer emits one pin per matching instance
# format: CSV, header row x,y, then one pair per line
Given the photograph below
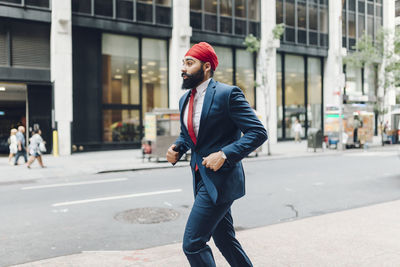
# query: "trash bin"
x,y
314,138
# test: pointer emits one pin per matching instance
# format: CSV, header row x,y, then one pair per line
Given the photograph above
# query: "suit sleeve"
x,y
254,133
181,142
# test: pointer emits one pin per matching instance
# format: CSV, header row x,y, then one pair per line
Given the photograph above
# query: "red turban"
x,y
204,52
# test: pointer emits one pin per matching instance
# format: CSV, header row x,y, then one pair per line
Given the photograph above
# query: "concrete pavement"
x,y
367,236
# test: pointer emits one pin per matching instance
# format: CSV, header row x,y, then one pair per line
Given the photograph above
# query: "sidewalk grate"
x,y
147,215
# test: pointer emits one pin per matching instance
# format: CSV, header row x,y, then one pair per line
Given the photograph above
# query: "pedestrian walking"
x,y
35,150
21,145
213,115
298,131
13,145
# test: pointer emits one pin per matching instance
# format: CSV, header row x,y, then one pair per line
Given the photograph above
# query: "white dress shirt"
x,y
197,107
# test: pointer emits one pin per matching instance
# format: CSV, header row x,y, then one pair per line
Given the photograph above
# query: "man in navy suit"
x,y
213,116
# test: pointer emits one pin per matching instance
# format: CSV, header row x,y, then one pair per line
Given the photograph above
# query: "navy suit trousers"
x,y
205,220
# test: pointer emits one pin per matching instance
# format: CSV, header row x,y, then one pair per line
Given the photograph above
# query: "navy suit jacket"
x,y
225,115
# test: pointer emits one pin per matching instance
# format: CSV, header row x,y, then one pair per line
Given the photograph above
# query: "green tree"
x,y
383,55
253,45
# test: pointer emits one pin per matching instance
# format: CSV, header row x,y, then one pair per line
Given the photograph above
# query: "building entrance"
x,y
26,105
13,111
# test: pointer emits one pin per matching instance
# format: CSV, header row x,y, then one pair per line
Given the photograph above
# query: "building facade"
x,y
92,68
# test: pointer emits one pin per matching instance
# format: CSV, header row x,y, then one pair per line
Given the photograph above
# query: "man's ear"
x,y
207,67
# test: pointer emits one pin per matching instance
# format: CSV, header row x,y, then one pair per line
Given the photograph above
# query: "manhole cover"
x,y
147,215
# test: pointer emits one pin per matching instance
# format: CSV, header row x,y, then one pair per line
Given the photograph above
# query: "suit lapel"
x,y
182,107
208,99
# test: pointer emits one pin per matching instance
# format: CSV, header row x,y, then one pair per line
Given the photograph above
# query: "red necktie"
x,y
190,119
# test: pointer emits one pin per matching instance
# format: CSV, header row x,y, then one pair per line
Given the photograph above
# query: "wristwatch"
x,y
223,155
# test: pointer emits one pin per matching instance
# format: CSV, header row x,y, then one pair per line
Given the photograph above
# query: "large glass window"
x,y
363,17
306,22
126,95
224,71
146,11
314,94
291,101
121,89
239,17
120,69
294,93
154,74
245,74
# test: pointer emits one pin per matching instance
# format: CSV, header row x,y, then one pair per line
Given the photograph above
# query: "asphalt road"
x,y
55,217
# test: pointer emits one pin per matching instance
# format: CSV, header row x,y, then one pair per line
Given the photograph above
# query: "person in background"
x,y
34,148
297,131
13,145
21,145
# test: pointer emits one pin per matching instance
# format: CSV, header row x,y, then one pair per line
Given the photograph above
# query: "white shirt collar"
x,y
202,87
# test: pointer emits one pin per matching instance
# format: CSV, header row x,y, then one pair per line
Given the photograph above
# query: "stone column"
x,y
389,22
266,62
179,45
61,71
333,70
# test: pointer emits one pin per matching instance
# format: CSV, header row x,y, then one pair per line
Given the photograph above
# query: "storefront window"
x,y
121,91
224,71
154,74
245,74
294,93
121,125
120,69
279,108
314,93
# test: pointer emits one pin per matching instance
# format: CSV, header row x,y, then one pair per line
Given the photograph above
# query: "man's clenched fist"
x,y
214,161
172,156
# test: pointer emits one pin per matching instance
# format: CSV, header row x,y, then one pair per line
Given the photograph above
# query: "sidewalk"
x,y
129,160
365,237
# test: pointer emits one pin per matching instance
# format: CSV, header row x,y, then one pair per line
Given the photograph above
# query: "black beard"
x,y
192,80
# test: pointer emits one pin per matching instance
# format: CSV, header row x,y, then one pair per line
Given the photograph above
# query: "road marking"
x,y
116,197
73,184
